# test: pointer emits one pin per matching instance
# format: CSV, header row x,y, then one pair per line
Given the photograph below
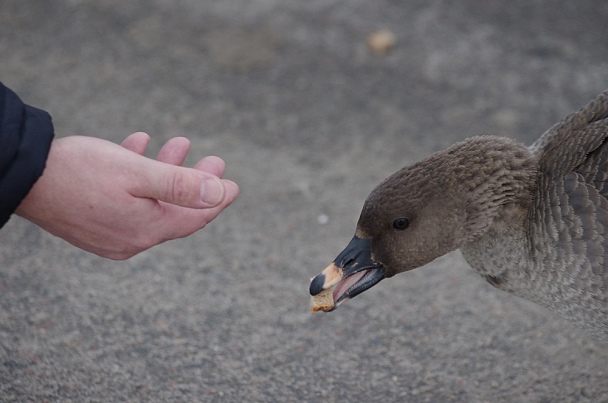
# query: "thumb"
x,y
185,187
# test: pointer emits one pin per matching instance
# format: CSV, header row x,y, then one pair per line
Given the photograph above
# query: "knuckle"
x,y
180,188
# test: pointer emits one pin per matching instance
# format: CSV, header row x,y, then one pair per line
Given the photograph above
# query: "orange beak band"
x,y
330,276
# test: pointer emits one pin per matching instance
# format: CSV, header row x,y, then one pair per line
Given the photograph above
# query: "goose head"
x,y
428,209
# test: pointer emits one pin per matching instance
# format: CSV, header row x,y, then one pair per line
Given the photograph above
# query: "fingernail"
x,y
212,191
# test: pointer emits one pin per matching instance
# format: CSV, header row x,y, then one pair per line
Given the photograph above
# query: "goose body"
x,y
532,221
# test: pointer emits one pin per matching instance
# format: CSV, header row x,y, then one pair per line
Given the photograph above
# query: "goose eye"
x,y
401,223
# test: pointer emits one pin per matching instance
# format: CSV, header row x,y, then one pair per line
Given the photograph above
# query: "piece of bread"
x,y
323,301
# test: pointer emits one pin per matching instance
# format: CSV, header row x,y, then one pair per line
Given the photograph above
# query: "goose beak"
x,y
351,273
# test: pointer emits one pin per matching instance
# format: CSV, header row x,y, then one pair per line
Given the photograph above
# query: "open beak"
x,y
352,272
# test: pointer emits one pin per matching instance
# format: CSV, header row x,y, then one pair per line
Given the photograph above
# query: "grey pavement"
x,y
308,121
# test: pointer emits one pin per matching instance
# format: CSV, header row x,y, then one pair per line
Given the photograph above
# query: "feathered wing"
x,y
570,215
568,143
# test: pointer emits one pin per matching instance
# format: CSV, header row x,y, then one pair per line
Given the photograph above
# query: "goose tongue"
x,y
343,286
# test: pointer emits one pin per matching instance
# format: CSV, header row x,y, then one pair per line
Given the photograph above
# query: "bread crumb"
x,y
323,301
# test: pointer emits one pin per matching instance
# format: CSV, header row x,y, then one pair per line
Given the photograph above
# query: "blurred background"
x,y
309,118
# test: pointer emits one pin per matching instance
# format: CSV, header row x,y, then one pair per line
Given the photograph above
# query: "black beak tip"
x,y
316,286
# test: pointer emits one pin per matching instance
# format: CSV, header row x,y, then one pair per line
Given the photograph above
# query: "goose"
x,y
532,221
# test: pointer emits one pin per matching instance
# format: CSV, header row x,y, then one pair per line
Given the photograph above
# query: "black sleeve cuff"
x,y
25,140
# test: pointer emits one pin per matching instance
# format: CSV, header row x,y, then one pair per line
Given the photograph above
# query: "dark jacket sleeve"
x,y
25,139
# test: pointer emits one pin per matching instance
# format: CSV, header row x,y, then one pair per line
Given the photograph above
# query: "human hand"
x,y
110,200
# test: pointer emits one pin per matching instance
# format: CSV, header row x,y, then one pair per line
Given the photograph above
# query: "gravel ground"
x,y
309,121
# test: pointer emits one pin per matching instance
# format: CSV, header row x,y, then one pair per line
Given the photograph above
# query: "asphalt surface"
x,y
308,121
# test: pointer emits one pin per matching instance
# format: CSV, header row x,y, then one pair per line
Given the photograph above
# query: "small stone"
x,y
323,219
381,41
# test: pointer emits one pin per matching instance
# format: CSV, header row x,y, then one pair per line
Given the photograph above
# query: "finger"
x,y
181,222
213,165
136,142
232,192
185,187
174,151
